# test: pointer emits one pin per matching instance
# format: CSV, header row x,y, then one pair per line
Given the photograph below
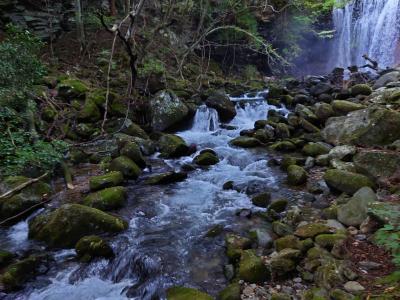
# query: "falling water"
x,y
206,119
366,27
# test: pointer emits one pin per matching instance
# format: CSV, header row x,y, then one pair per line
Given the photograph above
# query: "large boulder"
x,y
315,149
223,105
386,78
132,150
296,175
364,127
64,226
343,107
29,196
107,199
354,212
110,179
252,268
361,89
167,110
377,164
126,166
346,182
172,146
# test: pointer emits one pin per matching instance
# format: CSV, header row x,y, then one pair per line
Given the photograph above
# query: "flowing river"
x,y
165,243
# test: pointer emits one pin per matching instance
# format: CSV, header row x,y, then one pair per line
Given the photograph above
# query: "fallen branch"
x,y
22,186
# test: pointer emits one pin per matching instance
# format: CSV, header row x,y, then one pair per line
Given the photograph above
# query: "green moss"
x,y
172,146
92,246
288,241
89,112
343,107
110,179
206,159
346,182
5,258
183,293
296,175
278,205
107,199
72,88
126,166
132,151
235,244
361,89
245,142
311,230
231,292
261,200
315,149
329,240
166,178
252,268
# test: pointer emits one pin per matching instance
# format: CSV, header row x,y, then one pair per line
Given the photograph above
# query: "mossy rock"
x,y
281,266
346,182
132,151
206,159
337,294
126,166
231,292
223,105
283,146
288,241
324,111
280,296
183,293
5,258
92,246
17,274
64,226
235,244
296,175
166,178
172,146
287,161
107,199
245,142
315,149
281,229
278,205
262,199
135,130
29,196
311,230
72,88
329,274
89,112
252,268
343,107
315,294
361,89
329,240
110,179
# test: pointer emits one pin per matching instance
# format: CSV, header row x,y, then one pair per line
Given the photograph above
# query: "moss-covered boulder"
x,y
329,274
70,89
126,166
167,110
206,159
329,240
223,105
288,241
316,294
252,269
315,149
278,205
107,199
89,112
283,146
17,274
346,182
231,292
92,246
343,107
281,229
311,230
5,258
235,244
288,160
172,146
262,199
132,150
64,226
281,266
361,89
296,175
338,294
183,293
29,196
110,179
166,178
245,142
355,211
324,111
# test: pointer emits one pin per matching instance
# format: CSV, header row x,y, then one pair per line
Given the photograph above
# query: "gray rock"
x,y
386,78
353,287
343,152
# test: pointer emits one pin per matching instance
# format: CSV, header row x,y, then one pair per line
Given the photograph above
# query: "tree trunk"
x,y
127,6
113,8
79,23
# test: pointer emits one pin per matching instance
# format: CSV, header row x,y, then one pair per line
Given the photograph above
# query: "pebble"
x,y
297,280
353,287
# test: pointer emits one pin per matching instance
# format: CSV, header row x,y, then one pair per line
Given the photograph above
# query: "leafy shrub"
x,y
151,66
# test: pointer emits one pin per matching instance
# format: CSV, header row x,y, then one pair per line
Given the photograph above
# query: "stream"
x,y
165,244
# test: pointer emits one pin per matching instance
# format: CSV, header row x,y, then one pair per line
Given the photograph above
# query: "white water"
x,y
365,27
164,244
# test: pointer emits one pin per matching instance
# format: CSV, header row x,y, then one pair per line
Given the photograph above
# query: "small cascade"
x,y
206,119
366,27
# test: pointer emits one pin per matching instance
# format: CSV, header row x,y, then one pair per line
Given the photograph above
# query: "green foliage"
x,y
151,66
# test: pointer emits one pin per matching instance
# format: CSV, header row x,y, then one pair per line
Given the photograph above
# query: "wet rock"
x,y
281,229
206,159
107,199
346,182
288,161
183,293
296,175
364,127
343,107
311,230
235,244
166,178
354,212
215,231
132,151
262,200
126,166
262,238
353,287
92,246
316,149
29,196
110,179
361,89
167,110
64,226
5,258
223,105
231,292
252,268
172,146
244,213
228,185
245,142
278,205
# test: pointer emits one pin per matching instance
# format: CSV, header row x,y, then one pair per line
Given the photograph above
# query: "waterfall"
x,y
206,119
366,27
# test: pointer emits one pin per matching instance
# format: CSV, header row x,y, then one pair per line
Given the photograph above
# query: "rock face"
x,y
364,127
64,226
377,164
223,105
183,293
346,182
354,212
167,110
